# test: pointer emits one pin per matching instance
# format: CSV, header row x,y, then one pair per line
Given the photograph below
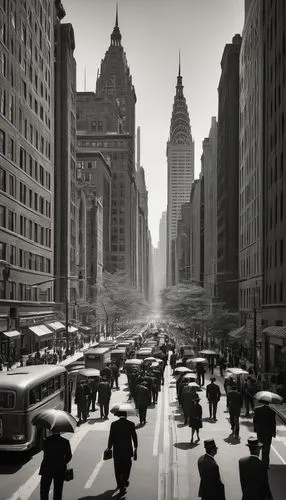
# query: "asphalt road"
x,y
166,468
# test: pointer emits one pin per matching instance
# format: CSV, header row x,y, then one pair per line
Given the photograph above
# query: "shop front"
x,y
274,349
10,345
59,329
41,337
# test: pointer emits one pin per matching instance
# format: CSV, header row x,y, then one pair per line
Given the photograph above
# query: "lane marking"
x,y
278,455
157,426
27,489
93,475
160,478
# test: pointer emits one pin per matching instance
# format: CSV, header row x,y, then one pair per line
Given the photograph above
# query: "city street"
x,y
167,464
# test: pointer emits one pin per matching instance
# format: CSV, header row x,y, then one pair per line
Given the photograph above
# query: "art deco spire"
x,y
180,129
116,35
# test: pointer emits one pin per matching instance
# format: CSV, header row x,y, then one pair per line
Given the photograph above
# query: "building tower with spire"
x,y
106,121
180,164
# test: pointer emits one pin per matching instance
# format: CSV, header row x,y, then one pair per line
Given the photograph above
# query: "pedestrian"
x,y
154,390
57,454
201,374
213,395
106,372
234,404
264,424
211,486
187,399
253,474
121,436
142,398
93,386
211,365
195,419
82,394
114,375
250,391
104,395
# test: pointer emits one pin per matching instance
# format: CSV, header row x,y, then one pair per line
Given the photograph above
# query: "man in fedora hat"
x,y
213,395
211,486
253,474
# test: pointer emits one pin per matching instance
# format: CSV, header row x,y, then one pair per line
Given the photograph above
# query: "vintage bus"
x,y
97,357
23,393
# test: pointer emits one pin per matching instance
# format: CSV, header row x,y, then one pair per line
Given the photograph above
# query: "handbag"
x,y
107,454
69,475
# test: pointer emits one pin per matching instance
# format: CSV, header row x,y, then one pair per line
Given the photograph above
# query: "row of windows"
x,y
25,227
24,259
275,255
27,196
22,291
44,390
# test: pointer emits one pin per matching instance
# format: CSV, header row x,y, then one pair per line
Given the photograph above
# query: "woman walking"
x,y
195,420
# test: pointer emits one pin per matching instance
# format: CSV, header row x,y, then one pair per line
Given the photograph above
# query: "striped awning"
x,y
57,326
275,331
72,329
238,333
40,330
13,335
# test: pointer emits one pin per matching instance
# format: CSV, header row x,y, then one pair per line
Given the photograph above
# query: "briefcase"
x,y
69,475
107,454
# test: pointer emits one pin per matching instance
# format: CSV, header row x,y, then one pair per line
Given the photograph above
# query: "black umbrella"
x,y
55,420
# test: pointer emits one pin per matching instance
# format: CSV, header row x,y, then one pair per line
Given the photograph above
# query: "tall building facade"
x,y
196,232
66,254
26,163
143,248
209,168
182,248
250,168
159,259
274,158
228,176
180,164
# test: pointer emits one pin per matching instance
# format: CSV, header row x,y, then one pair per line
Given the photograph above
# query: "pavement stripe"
x,y
93,475
157,426
160,478
278,455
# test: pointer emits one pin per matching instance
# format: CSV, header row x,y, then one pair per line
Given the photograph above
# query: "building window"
x,y
11,149
281,291
12,185
11,220
2,216
2,179
3,101
12,259
3,63
2,142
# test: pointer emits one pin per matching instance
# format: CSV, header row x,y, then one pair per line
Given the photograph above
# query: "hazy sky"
x,y
153,32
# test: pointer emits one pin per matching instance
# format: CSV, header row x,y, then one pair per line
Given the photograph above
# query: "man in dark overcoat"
x,y
142,398
104,395
234,403
121,436
211,486
57,454
264,424
213,396
82,395
253,474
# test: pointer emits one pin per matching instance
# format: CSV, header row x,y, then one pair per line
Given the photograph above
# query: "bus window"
x,y
7,400
57,382
35,395
51,386
44,390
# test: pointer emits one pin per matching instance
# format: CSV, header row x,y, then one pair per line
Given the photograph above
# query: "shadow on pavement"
x,y
277,481
183,445
246,423
232,440
12,462
91,421
106,495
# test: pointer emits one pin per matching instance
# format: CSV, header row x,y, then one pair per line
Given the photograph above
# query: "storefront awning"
x,y
72,329
238,333
275,331
85,328
57,326
40,330
13,335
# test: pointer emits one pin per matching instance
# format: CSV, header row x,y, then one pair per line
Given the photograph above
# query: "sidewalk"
x,y
279,409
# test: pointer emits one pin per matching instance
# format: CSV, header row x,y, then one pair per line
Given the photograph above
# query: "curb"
x,y
281,415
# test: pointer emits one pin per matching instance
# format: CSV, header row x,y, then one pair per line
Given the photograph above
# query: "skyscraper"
x,y
180,164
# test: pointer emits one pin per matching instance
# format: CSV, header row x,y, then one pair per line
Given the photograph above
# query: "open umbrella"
x,y
208,352
154,365
124,407
182,369
195,386
149,359
269,397
237,371
55,420
133,361
189,376
89,372
199,360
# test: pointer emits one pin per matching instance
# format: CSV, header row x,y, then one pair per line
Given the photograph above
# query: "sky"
x,y
153,32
